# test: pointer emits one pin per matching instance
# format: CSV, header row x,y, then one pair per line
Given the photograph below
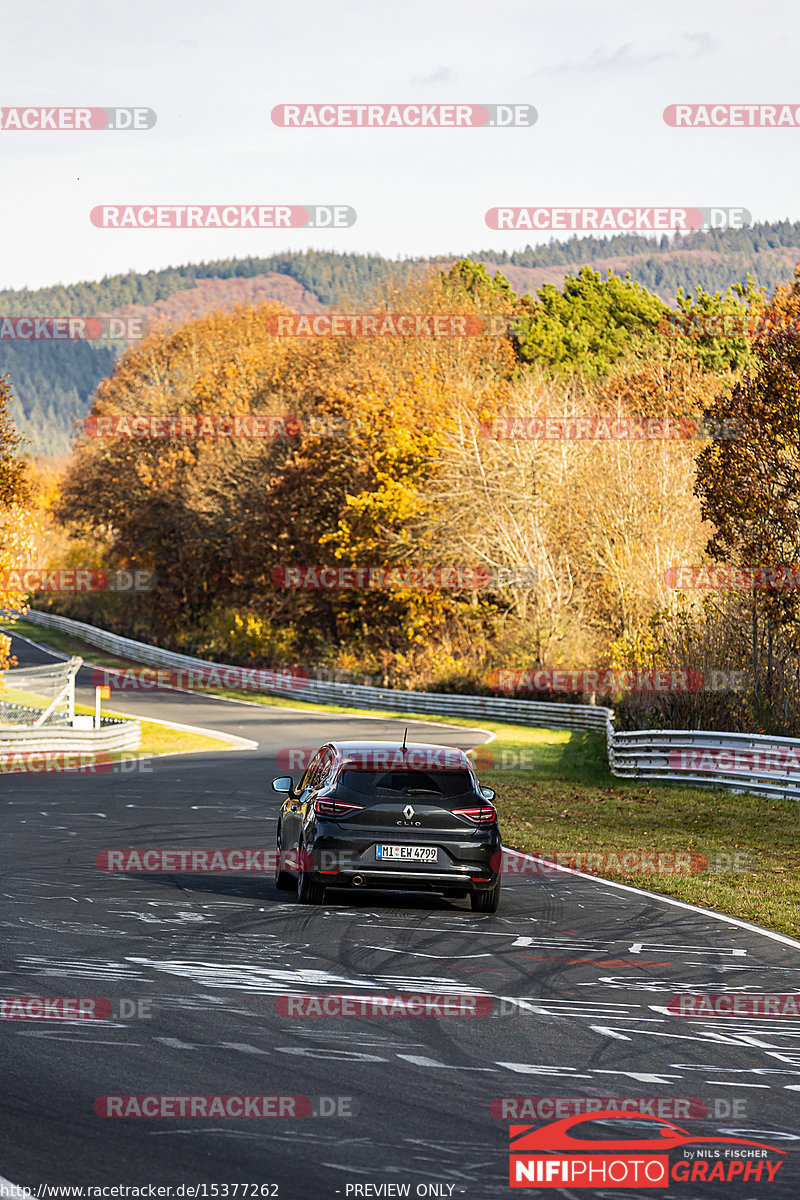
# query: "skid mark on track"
x,y
274,981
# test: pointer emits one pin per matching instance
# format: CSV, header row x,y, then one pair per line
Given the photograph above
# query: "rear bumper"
x,y
412,881
464,864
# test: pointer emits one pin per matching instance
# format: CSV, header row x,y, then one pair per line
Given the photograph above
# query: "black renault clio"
x,y
386,815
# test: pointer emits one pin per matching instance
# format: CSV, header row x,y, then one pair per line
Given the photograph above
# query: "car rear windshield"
x,y
384,785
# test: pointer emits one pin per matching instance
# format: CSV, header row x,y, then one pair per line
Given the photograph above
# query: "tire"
x,y
486,901
284,882
308,890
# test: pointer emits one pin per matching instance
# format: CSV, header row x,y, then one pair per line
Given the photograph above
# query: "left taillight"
x,y
335,808
484,814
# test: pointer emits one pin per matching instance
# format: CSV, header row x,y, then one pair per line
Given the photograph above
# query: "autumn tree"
x,y
167,504
213,517
749,482
14,525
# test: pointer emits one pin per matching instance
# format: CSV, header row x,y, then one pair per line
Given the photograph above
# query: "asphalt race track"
x,y
411,1096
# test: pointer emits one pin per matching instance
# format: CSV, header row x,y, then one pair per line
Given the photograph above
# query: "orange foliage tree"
x,y
14,526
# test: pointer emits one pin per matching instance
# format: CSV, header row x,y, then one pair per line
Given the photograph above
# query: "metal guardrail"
x,y
524,712
742,762
695,758
113,735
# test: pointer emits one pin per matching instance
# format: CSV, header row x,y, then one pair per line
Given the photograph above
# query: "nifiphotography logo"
x,y
552,1156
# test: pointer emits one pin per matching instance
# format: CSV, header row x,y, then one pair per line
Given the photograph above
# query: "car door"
x,y
294,807
318,775
321,777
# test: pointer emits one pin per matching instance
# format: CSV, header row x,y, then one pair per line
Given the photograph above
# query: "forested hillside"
x,y
53,384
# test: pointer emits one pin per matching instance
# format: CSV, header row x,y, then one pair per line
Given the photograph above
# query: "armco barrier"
x,y
690,758
113,735
742,762
524,712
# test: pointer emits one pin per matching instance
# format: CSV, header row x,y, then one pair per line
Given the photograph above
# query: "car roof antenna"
x,y
405,735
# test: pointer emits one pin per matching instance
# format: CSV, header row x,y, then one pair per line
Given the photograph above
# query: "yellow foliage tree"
x,y
15,541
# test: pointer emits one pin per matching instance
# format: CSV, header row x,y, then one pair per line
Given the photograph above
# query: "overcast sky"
x,y
599,72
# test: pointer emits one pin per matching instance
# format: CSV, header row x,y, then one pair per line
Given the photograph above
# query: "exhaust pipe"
x,y
358,881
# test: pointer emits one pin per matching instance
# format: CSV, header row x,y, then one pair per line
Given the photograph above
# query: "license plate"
x,y
425,854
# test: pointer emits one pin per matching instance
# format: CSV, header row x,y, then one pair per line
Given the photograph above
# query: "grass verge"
x,y
744,850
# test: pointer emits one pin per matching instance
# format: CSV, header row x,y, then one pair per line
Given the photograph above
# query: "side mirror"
x,y
488,793
284,783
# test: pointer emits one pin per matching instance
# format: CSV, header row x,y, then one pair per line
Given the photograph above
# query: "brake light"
x,y
335,808
484,815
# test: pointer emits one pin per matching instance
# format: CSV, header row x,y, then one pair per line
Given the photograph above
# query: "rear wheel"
x,y
486,901
308,890
284,882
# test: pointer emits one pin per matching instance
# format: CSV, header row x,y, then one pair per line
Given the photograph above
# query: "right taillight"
x,y
484,814
335,808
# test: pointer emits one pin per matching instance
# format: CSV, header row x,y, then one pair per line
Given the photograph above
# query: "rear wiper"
x,y
422,792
